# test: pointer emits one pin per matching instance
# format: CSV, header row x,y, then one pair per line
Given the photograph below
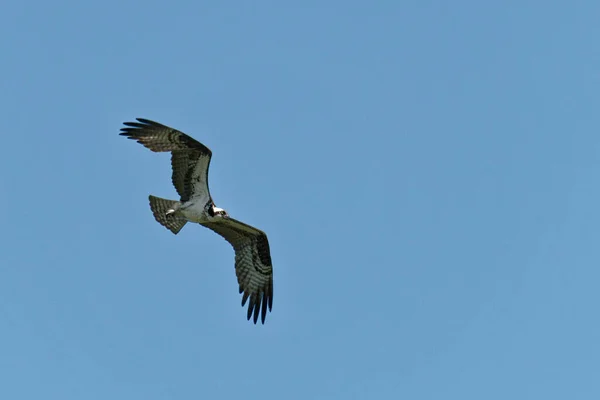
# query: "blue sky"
x,y
427,173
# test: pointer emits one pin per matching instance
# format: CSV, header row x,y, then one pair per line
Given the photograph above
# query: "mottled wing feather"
x,y
253,265
190,159
196,180
190,174
180,163
158,137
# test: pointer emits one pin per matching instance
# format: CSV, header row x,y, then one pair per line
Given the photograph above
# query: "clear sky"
x,y
427,173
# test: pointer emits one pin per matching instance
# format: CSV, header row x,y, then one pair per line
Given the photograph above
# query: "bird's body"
x,y
190,161
194,210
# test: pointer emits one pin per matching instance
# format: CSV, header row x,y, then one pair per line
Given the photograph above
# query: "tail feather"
x,y
164,213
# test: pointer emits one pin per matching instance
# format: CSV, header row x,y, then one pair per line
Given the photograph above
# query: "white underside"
x,y
193,210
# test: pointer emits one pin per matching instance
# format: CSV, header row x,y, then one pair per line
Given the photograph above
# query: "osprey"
x,y
190,160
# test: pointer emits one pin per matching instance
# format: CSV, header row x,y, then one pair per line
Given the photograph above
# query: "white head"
x,y
217,212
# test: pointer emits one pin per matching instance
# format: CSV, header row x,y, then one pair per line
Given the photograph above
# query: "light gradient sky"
x,y
427,173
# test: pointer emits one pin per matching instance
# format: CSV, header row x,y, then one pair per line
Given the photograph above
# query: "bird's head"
x,y
217,212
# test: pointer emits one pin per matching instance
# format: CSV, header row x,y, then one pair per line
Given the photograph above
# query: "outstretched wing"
x,y
252,264
190,159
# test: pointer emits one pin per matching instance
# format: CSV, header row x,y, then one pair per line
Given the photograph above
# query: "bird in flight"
x,y
190,161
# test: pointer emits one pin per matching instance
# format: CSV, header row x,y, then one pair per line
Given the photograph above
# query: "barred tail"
x,y
164,213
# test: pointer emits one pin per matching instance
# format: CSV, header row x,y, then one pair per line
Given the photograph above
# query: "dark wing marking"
x,y
190,159
190,174
253,265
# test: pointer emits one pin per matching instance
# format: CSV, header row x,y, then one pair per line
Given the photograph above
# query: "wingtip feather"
x,y
256,310
263,311
245,298
250,308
